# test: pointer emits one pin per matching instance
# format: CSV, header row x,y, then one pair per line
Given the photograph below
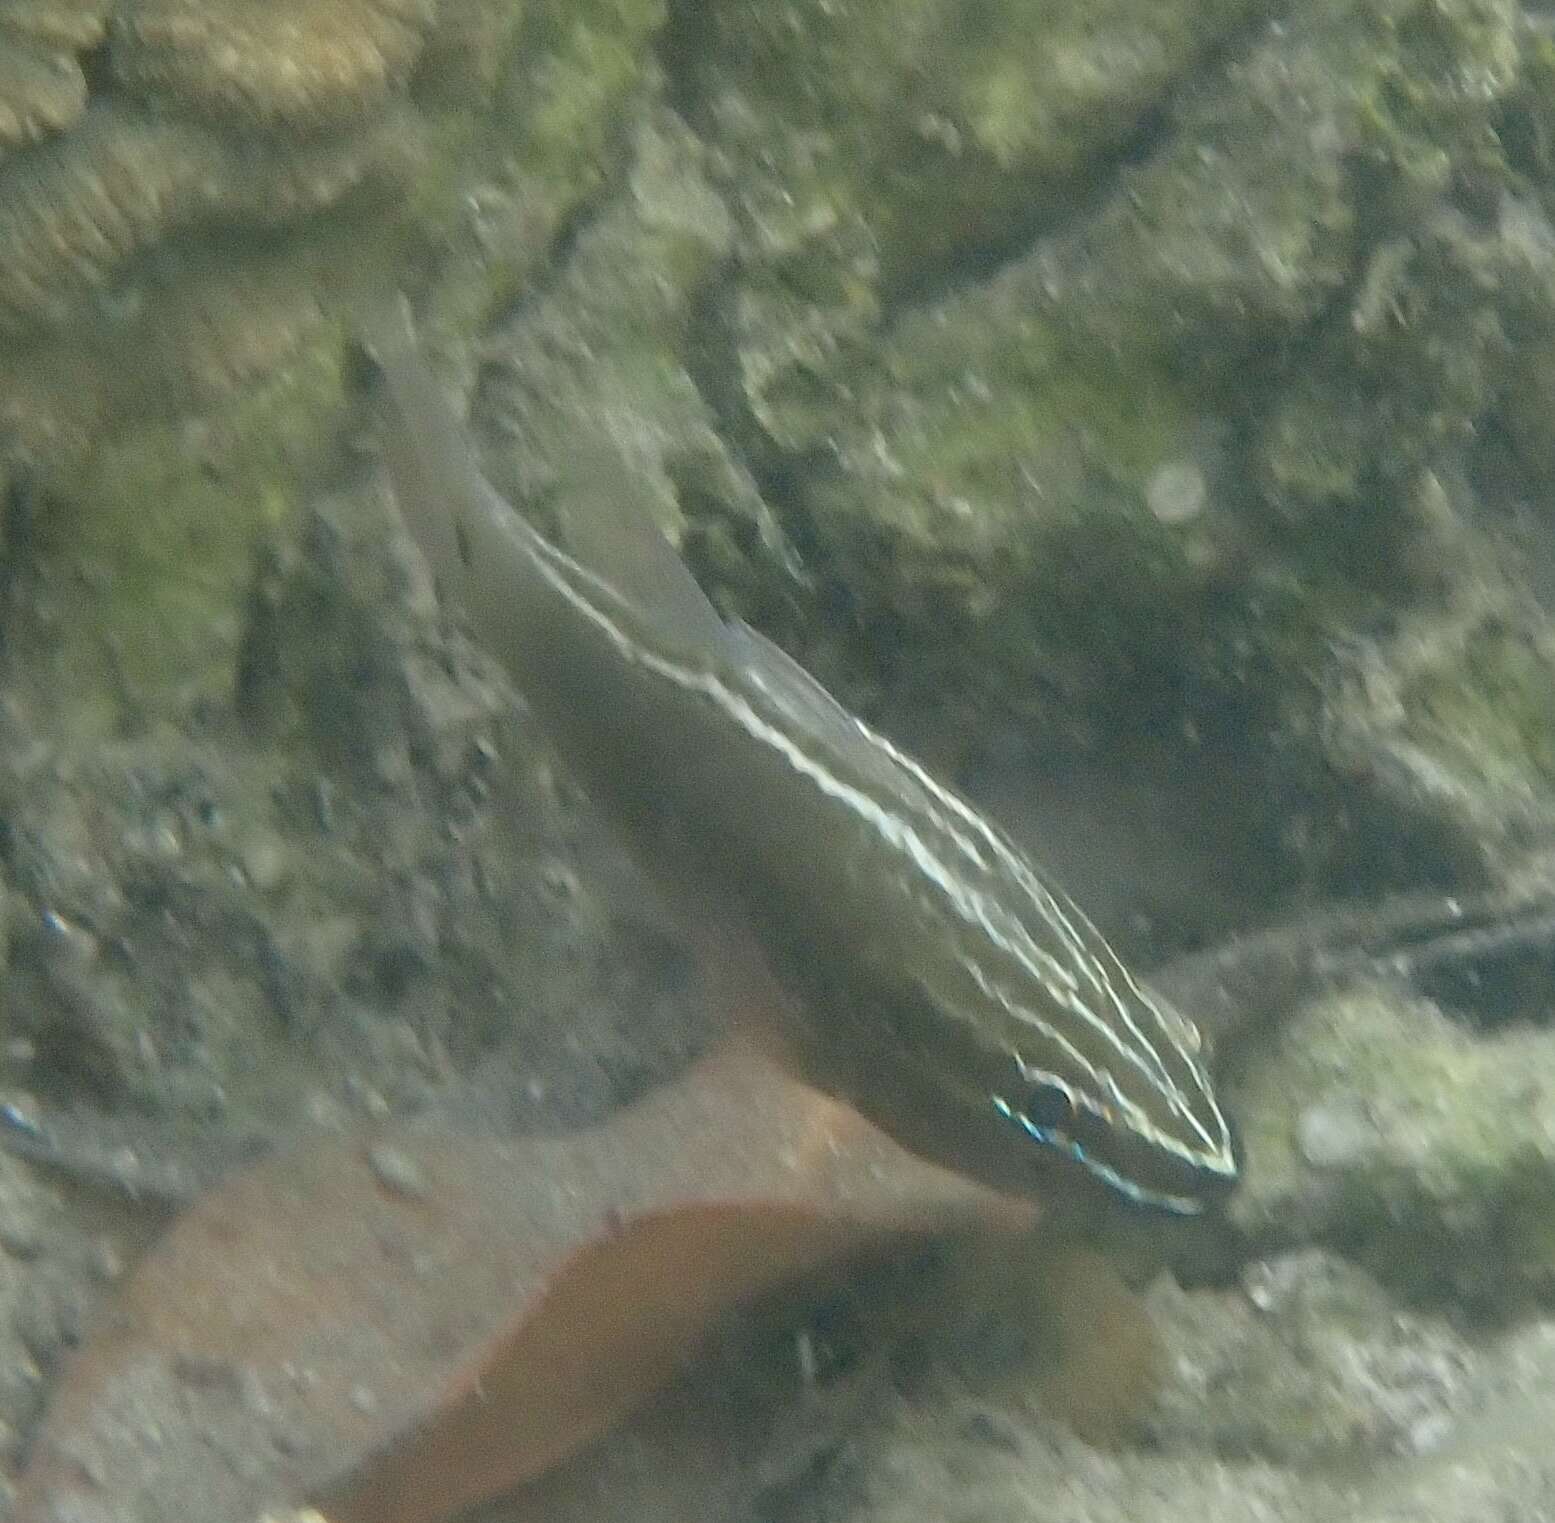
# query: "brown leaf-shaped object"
x,y
392,1328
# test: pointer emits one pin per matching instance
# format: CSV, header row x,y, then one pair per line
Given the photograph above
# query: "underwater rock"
x,y
42,87
1451,717
1288,291
1279,168
302,63
876,157
1307,1393
874,147
67,24
74,213
1307,1363
1427,1148
605,346
1435,329
41,93
973,485
1224,228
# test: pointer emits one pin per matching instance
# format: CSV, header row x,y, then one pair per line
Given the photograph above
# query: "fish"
x,y
943,984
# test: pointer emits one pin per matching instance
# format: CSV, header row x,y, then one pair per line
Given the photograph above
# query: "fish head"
x,y
1120,1091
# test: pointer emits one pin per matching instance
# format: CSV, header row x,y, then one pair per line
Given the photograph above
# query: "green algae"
x,y
158,532
981,450
590,60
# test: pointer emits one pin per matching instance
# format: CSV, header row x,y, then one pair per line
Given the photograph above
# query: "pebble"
x,y
1334,1133
107,1261
1176,492
396,1171
264,861
1431,1433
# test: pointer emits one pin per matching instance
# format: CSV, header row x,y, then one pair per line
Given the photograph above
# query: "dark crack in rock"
x,y
299,62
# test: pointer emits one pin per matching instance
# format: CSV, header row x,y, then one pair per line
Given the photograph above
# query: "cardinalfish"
x,y
944,986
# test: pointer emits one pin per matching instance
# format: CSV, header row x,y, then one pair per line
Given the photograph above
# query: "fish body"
x,y
948,989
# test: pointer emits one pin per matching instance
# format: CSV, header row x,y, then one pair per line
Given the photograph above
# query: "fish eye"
x,y
1049,1108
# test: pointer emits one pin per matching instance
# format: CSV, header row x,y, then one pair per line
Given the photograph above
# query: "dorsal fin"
x,y
602,505
795,690
607,526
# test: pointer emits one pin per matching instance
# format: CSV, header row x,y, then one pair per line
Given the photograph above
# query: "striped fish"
x,y
948,990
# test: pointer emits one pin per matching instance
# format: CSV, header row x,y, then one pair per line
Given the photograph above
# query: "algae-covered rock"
x,y
1430,1151
878,153
989,471
1307,1362
182,256
1439,323
938,129
164,524
1278,171
989,494
610,336
1454,716
1245,215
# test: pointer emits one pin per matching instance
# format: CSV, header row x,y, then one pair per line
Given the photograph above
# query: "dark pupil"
x,y
1048,1108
